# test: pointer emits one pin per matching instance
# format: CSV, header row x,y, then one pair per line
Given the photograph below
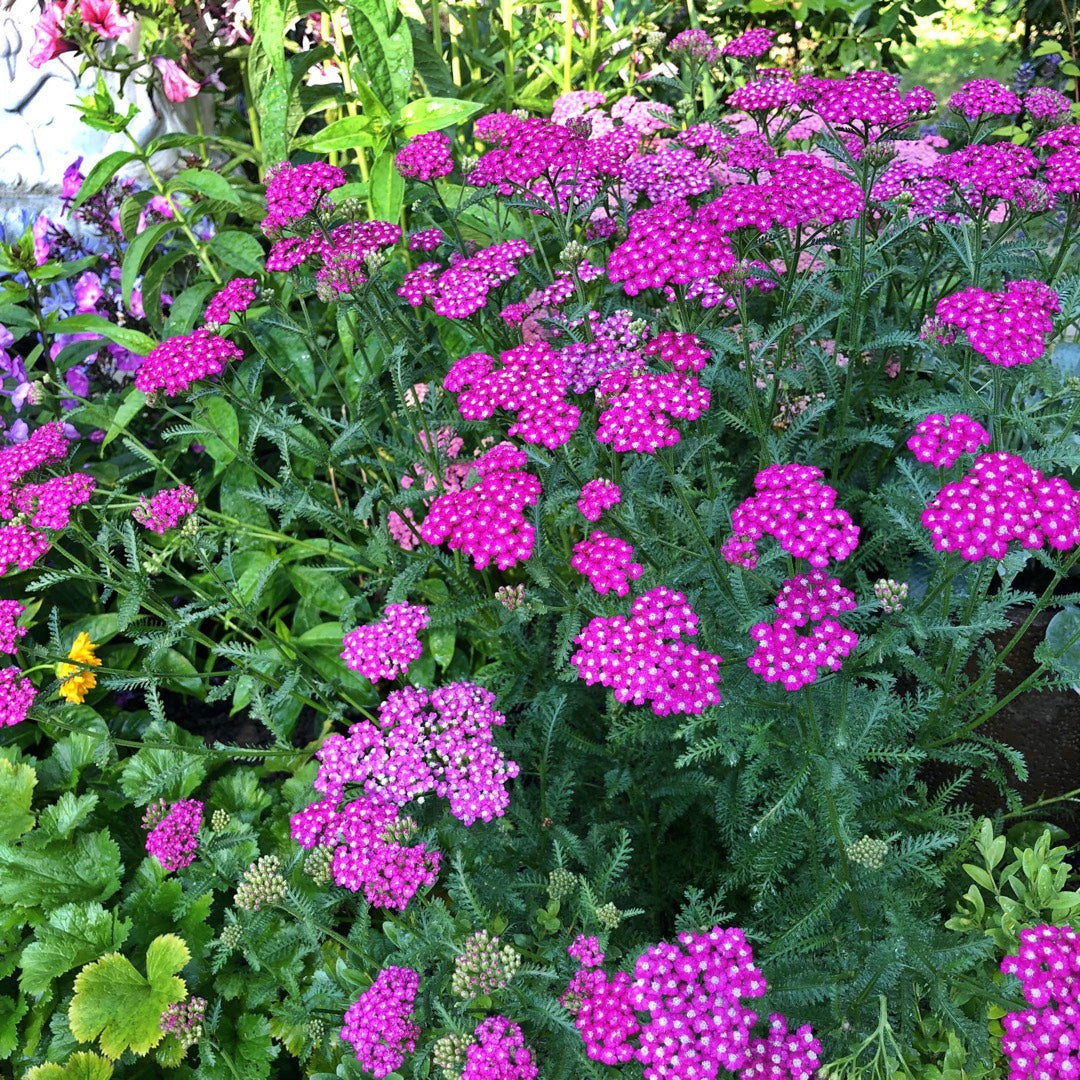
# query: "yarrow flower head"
x,y
606,562
385,649
10,631
462,289
942,441
166,509
892,595
425,157
597,496
984,97
178,362
48,505
1008,327
235,298
184,1019
750,45
262,884
16,696
586,951
483,966
499,1053
643,657
75,681
794,506
293,192
694,43
379,1024
174,838
1001,499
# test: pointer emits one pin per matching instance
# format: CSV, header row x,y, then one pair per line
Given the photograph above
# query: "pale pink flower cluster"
x,y
597,496
379,1024
447,443
607,562
643,657
385,649
166,508
941,441
794,506
1001,499
174,832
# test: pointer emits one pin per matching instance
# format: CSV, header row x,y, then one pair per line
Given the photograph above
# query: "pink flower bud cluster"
x,y
670,244
683,1015
1044,1040
941,441
640,408
174,838
750,45
532,382
1001,499
984,97
425,157
597,496
694,43
462,289
385,649
236,297
174,364
643,657
16,696
379,1024
487,520
10,631
293,192
794,659
499,1053
1008,327
370,853
166,508
606,562
437,741
794,506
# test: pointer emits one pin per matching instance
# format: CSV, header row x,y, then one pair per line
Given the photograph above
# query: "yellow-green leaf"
x,y
114,1001
80,1066
16,790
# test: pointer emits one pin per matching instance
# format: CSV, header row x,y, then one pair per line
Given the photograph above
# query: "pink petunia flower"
x,y
48,34
179,85
104,18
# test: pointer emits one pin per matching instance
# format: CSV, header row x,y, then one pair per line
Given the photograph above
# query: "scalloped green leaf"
x,y
16,793
74,935
83,1065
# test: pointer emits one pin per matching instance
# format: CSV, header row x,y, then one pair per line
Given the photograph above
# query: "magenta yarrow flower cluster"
x,y
532,382
597,496
499,1053
794,506
175,364
462,288
426,157
235,298
750,45
16,696
642,657
683,1017
981,98
48,505
346,255
385,649
379,1024
447,443
1044,103
10,630
867,103
607,562
173,832
426,240
166,509
941,441
794,659
487,520
586,951
696,44
439,741
1043,1041
1008,327
999,500
640,408
293,192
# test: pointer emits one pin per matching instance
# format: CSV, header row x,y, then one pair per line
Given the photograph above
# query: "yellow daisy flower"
x,y
76,683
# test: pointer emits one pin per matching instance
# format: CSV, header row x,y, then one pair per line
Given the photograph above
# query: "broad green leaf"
x,y
113,1001
102,173
161,774
66,814
344,134
205,182
72,936
221,428
387,189
12,1010
137,253
133,404
133,340
273,110
385,49
82,1065
430,114
152,284
174,667
441,644
16,792
38,872
239,250
320,587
